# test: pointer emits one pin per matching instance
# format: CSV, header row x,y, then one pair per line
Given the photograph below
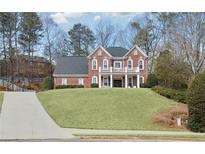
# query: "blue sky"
x,y
119,19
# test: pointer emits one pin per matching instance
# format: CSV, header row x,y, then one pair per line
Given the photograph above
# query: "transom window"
x,y
105,64
130,64
94,64
117,64
141,64
94,79
81,81
64,81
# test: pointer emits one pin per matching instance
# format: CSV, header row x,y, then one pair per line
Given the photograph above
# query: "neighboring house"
x,y
110,67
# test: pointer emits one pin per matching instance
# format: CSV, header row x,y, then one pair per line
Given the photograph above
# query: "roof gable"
x,y
138,48
100,47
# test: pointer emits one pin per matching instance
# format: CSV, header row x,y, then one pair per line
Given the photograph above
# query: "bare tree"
x,y
104,33
50,32
190,38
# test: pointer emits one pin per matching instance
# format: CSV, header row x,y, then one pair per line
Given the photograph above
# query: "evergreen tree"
x,y
81,39
196,103
30,34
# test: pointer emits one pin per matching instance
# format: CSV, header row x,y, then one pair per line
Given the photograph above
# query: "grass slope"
x,y
105,108
1,100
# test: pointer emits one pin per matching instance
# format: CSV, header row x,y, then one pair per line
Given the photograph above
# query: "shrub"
x,y
196,104
151,81
177,95
94,85
47,83
69,86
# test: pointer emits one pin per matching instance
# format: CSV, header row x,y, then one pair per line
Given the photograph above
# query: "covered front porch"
x,y
123,81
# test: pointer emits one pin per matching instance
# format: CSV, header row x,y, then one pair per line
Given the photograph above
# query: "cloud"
x,y
97,18
63,18
122,14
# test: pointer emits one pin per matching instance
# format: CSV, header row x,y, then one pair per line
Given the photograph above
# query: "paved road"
x,y
23,117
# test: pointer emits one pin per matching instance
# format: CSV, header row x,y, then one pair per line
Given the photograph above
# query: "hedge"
x,y
177,95
94,85
69,86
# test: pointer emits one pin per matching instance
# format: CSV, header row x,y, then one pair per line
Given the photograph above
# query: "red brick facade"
x,y
117,78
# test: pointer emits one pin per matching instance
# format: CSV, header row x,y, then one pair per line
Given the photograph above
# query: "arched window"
x,y
94,79
141,79
94,64
141,64
130,64
105,64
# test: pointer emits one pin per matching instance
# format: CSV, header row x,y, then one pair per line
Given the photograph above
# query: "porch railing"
x,y
119,70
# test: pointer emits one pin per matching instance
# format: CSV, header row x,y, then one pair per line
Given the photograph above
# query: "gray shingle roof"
x,y
117,51
71,65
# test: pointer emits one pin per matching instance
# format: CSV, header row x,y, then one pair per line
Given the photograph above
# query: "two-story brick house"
x,y
110,67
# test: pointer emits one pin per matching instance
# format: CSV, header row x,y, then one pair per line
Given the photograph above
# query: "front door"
x,y
117,83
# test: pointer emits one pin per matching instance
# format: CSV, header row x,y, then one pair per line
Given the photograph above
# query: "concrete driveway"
x,y
23,117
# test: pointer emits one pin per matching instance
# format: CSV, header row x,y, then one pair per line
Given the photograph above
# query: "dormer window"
x,y
130,64
94,64
105,64
141,64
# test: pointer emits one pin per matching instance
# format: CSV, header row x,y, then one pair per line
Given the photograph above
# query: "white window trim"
x,y
93,79
107,64
118,62
96,64
131,64
142,77
79,81
64,81
141,60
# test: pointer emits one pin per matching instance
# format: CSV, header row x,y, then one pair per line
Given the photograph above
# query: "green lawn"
x,y
105,108
1,100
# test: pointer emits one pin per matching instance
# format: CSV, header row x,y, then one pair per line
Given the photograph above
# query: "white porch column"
x,y
110,77
125,77
138,81
99,78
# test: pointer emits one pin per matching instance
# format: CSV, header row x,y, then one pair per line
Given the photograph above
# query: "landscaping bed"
x,y
105,108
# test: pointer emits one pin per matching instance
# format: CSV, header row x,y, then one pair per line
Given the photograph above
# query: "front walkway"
x,y
23,117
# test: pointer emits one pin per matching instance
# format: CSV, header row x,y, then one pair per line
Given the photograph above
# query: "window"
x,y
130,82
105,64
105,82
94,64
94,79
81,81
141,64
141,79
64,81
130,64
117,64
